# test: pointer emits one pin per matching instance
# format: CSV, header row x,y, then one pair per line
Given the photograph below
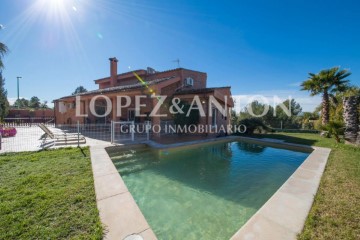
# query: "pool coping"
x,y
281,217
119,213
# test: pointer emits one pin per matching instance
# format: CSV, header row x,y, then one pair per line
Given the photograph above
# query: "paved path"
x,y
29,139
118,210
26,139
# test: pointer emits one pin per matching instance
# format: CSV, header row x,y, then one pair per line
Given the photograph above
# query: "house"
x,y
117,97
44,113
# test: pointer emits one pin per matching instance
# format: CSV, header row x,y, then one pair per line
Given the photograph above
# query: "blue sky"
x,y
257,47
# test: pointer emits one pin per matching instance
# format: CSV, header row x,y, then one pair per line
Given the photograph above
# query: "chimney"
x,y
113,71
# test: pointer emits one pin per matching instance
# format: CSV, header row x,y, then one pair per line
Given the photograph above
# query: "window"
x,y
213,120
71,105
189,81
131,114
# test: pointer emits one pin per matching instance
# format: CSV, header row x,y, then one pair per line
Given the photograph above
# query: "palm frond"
x,y
334,101
3,49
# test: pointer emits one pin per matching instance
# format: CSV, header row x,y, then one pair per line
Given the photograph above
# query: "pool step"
x,y
132,166
130,161
133,169
127,153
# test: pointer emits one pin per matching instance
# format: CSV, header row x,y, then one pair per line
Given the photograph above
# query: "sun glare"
x,y
53,6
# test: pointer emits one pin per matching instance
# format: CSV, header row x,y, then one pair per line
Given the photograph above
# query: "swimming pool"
x,y
206,191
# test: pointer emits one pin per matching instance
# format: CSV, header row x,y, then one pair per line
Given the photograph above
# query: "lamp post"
x,y
18,98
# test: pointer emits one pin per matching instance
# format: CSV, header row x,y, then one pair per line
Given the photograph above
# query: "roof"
x,y
105,79
198,90
121,88
175,69
120,74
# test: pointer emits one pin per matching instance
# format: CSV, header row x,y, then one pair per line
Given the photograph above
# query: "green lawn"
x,y
48,195
335,213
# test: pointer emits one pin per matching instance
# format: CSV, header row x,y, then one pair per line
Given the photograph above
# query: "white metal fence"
x,y
30,137
27,121
129,131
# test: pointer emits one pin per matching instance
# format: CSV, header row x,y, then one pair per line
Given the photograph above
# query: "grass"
x,y
336,208
48,195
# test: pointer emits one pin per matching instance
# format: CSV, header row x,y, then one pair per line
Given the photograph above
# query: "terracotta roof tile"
x,y
120,88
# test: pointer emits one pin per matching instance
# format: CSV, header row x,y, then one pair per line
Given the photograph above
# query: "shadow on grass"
x,y
82,151
286,138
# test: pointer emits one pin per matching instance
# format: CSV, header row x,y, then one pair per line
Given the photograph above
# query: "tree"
x,y
307,119
259,110
291,121
34,102
351,117
181,119
21,103
44,105
4,104
3,51
327,82
79,89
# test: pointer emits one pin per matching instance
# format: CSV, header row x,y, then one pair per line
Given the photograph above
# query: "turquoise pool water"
x,y
203,192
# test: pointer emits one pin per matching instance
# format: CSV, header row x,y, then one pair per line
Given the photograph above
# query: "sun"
x,y
56,2
54,6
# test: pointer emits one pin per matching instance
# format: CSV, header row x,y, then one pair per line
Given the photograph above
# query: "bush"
x,y
8,132
255,125
334,129
296,130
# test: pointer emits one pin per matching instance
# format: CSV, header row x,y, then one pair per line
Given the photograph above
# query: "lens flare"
x,y
99,35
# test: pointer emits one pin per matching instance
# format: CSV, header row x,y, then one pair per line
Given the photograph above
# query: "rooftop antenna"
x,y
178,62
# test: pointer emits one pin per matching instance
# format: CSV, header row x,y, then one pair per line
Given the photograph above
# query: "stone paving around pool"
x,y
281,217
29,139
118,209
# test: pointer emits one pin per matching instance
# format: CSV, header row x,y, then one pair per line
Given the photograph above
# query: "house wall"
x,y
200,78
167,88
65,110
66,114
26,113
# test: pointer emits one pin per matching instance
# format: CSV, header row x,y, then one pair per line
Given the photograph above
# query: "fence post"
x,y
147,127
0,140
112,132
132,130
78,132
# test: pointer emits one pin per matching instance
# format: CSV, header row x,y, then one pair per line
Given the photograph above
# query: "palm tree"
x,y
3,50
327,82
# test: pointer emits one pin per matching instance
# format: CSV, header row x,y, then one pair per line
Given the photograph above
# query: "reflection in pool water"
x,y
204,192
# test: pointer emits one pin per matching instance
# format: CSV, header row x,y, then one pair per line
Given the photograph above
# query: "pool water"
x,y
207,191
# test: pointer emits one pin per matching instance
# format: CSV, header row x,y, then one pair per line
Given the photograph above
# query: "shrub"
x,y
334,129
8,132
255,124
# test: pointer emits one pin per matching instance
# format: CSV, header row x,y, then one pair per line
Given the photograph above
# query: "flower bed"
x,y
8,132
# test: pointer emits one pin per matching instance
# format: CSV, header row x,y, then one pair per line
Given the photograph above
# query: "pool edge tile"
x,y
261,225
118,210
289,220
121,216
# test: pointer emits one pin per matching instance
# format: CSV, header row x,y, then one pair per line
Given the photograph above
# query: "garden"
x,y
48,195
